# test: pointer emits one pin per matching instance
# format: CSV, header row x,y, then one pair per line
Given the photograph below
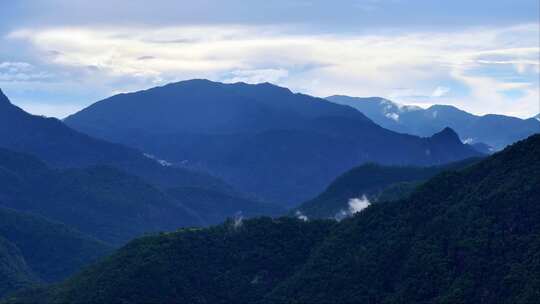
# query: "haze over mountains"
x,y
196,153
107,190
467,236
497,131
252,135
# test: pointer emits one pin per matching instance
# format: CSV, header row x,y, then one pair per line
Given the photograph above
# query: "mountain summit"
x,y
447,135
264,139
496,131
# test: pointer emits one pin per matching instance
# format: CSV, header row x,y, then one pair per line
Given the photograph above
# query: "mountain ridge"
x,y
468,236
494,130
250,135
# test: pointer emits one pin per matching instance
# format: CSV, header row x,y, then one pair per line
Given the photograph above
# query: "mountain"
x,y
466,236
469,236
213,206
110,204
372,181
52,141
100,201
144,179
35,250
496,131
263,139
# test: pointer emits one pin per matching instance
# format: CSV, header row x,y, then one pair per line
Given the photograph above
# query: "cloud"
x,y
299,215
21,72
257,75
358,204
146,58
466,62
355,205
440,91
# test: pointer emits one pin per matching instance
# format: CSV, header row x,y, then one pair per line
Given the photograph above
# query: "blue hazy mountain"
x,y
495,131
115,192
466,236
100,201
263,139
112,205
60,146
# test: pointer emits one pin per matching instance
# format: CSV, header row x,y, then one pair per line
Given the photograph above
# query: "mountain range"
x,y
495,131
252,135
89,164
464,236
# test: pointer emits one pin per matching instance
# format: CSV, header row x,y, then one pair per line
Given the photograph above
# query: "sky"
x,y
483,56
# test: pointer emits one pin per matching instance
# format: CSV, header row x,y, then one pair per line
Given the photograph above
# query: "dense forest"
x,y
466,236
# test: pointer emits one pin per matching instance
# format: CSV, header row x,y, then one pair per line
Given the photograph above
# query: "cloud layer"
x,y
482,70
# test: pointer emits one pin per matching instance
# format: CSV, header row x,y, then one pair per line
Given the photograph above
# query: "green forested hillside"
x,y
471,236
468,236
376,182
239,261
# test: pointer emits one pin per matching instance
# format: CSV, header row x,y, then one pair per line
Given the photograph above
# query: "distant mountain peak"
x,y
446,135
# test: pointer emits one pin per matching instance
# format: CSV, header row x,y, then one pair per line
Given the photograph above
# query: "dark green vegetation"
x,y
230,263
496,131
467,236
36,250
252,135
376,182
471,236
81,191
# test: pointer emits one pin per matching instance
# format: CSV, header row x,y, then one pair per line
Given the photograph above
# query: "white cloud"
x,y
301,216
319,64
21,72
258,76
355,205
358,204
440,91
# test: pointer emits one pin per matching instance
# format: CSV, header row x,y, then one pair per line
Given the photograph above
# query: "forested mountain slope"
x,y
467,236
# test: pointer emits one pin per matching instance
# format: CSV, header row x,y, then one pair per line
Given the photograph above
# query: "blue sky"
x,y
57,56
